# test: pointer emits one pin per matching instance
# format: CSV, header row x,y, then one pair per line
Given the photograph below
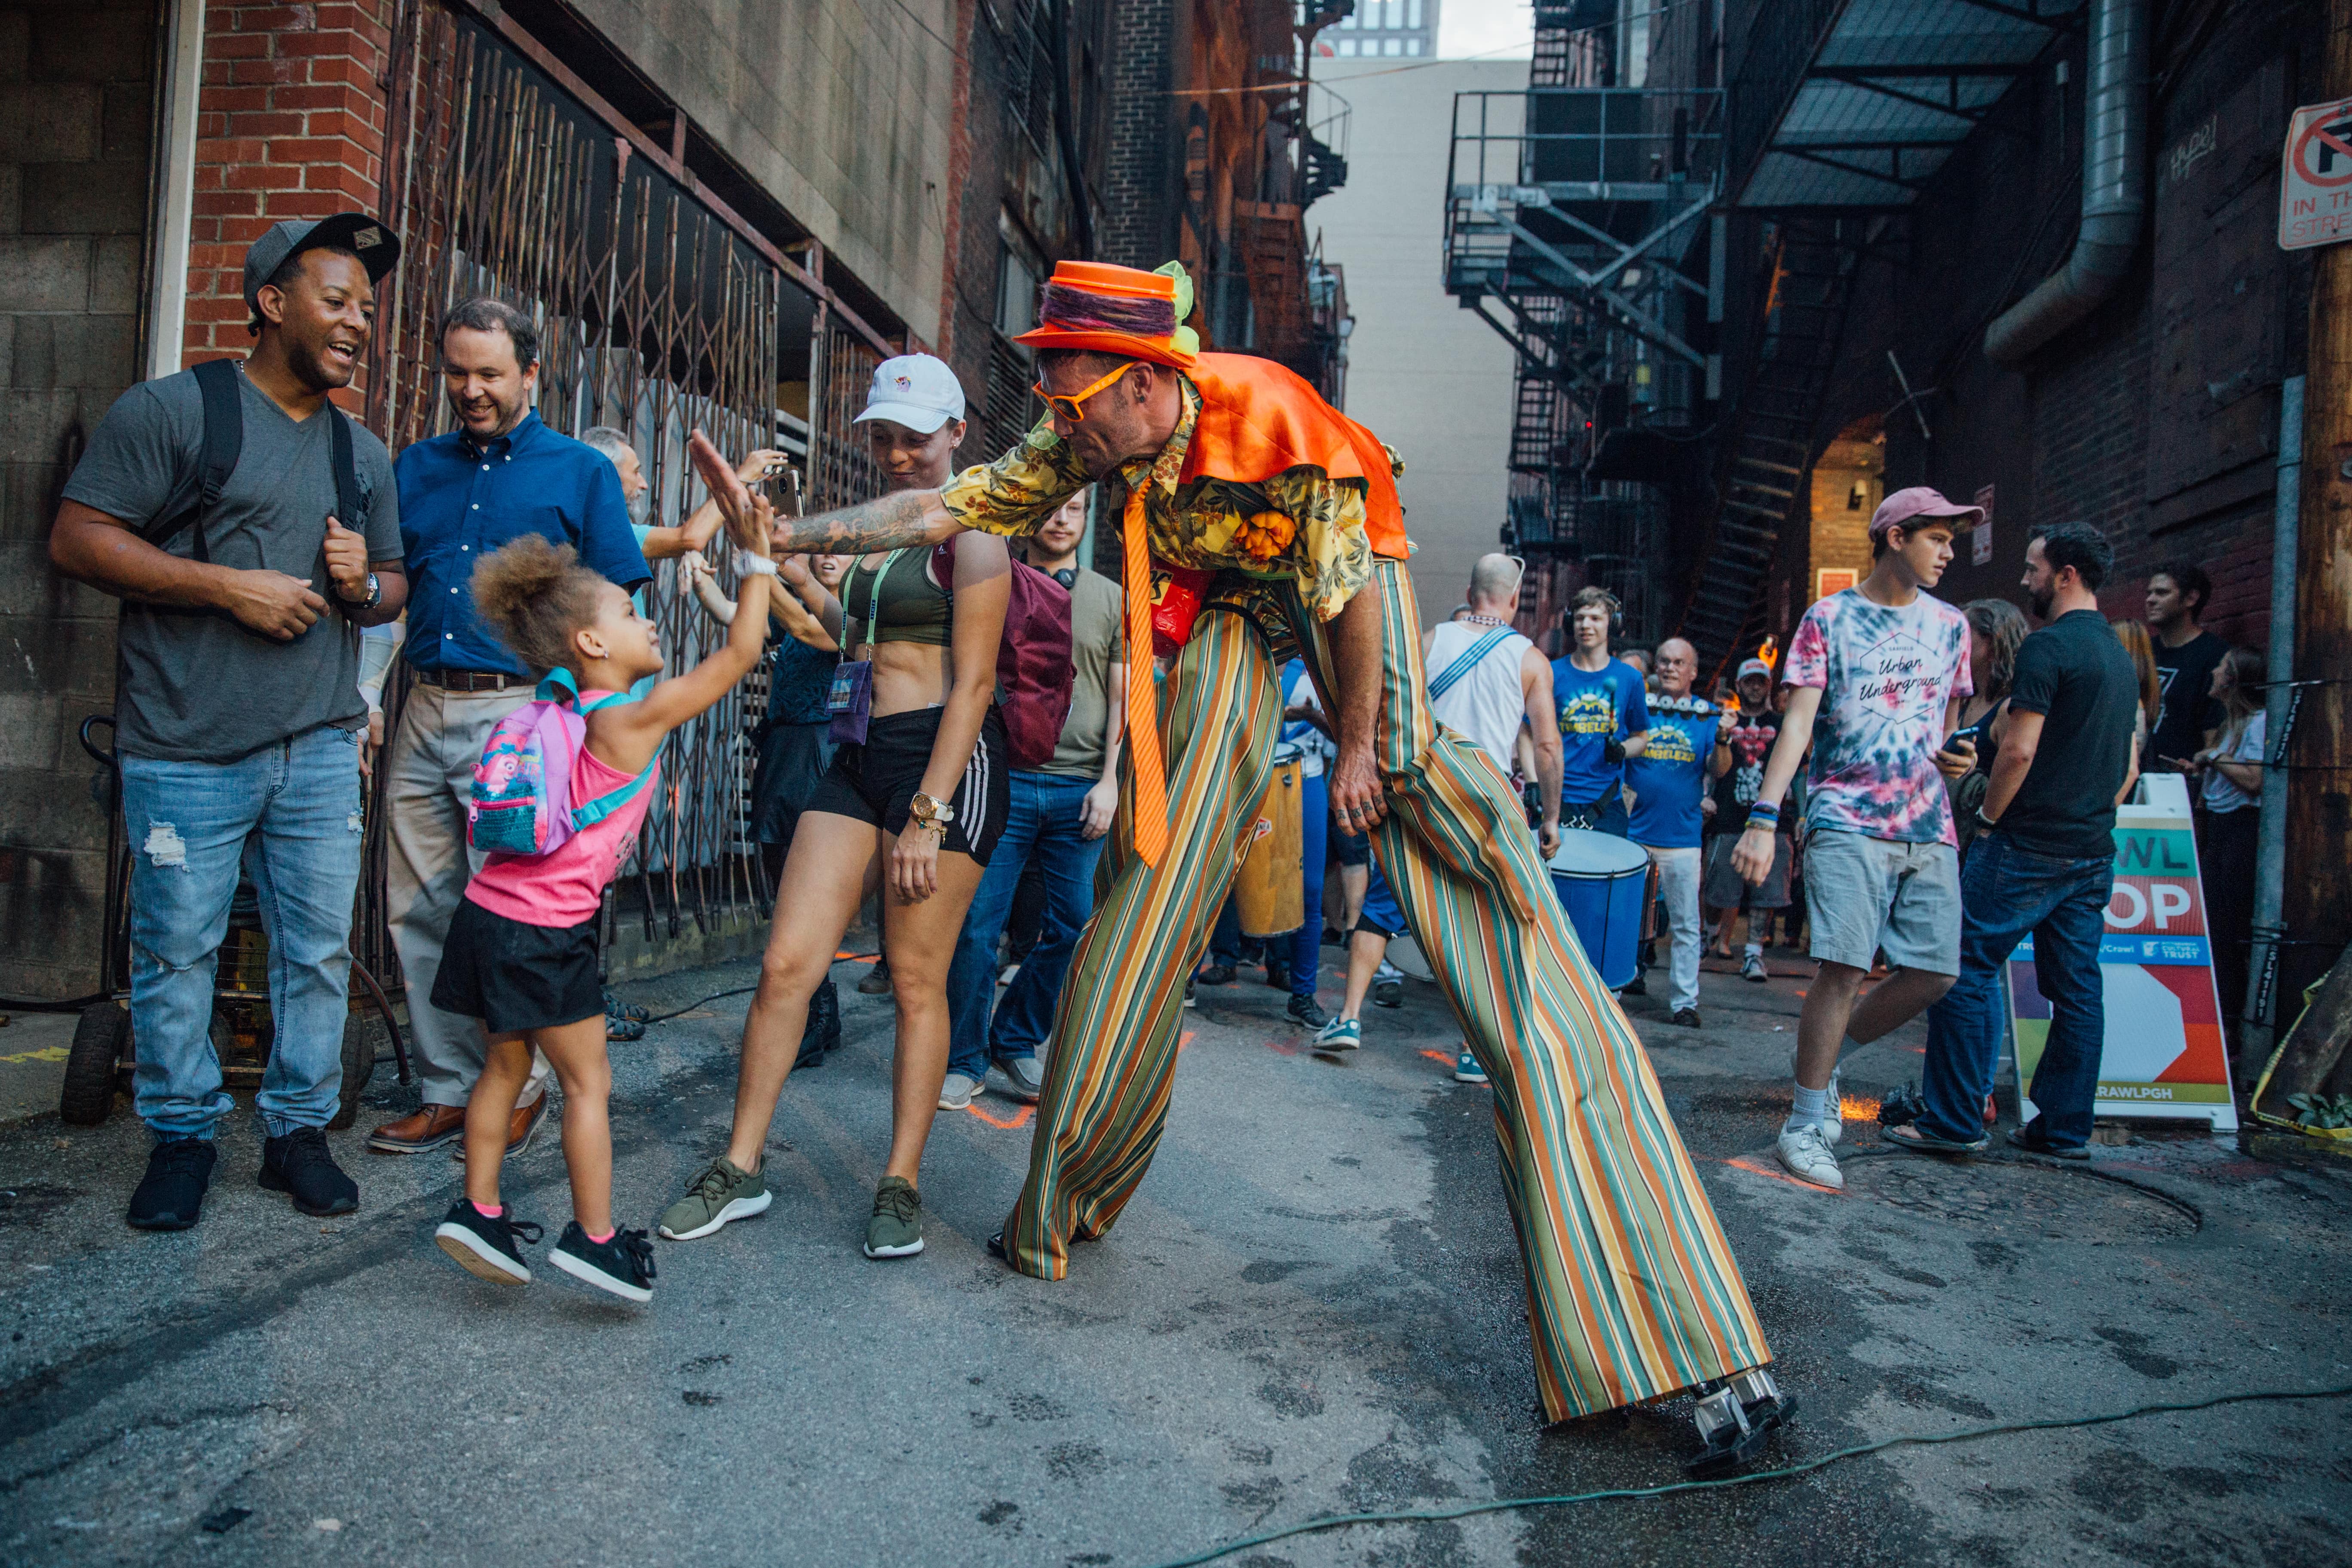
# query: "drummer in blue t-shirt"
x,y
1668,781
1604,719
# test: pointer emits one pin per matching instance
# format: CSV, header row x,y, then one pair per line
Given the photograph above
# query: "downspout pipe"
x,y
2115,187
2270,844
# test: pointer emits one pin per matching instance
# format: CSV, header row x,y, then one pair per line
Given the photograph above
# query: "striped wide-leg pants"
x,y
1633,1292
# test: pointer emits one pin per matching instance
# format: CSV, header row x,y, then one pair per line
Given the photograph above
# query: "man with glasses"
x,y
1258,521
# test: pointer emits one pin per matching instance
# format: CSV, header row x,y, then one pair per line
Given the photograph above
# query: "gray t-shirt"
x,y
195,686
1095,602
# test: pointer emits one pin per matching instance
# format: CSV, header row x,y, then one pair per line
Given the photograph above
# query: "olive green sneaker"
x,y
719,1193
896,1228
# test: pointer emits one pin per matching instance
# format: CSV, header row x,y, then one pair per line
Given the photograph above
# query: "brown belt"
x,y
470,680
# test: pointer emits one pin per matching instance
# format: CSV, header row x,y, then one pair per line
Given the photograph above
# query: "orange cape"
x,y
1258,419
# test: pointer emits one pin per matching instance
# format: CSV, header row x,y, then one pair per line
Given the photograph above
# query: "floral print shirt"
x,y
1300,524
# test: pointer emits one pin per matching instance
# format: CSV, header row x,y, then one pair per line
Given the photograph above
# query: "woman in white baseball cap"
x,y
915,797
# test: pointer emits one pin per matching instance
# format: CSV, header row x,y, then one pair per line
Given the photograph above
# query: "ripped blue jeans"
x,y
289,815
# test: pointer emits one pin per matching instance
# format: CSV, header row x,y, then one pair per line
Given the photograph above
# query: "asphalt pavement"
x,y
1313,1306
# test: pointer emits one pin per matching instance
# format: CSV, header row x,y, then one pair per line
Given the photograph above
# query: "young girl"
x,y
521,955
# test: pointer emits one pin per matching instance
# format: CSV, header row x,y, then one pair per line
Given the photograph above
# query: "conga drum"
x,y
1270,888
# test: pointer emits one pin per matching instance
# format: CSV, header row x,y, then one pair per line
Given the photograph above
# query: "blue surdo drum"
x,y
1602,880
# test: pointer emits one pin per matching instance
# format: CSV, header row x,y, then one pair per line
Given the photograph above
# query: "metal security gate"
x,y
656,317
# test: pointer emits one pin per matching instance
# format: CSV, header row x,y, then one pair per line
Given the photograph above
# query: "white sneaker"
x,y
956,1093
1832,1126
1752,968
1807,1156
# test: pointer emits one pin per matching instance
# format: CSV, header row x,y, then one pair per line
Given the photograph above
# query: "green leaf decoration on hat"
x,y
1187,339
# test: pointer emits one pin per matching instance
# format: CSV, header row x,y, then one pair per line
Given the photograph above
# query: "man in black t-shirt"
x,y
2042,863
2184,657
1743,744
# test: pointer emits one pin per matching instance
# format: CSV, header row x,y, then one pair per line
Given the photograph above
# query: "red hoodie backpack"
x,y
1033,672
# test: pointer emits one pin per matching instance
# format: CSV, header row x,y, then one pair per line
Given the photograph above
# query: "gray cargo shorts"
x,y
1865,895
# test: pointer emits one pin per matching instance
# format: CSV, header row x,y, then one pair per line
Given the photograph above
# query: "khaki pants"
x,y
429,773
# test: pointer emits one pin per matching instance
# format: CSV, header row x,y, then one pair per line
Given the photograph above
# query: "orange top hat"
x,y
1118,310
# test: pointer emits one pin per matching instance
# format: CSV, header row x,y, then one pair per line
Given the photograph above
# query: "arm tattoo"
x,y
890,523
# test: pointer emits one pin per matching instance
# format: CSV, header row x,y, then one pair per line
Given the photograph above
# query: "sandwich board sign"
x,y
2315,177
2165,1054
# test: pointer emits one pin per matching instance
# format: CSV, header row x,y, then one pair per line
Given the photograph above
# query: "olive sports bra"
x,y
898,601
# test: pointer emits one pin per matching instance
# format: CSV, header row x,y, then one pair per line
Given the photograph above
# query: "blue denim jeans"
x,y
2005,893
1042,820
289,814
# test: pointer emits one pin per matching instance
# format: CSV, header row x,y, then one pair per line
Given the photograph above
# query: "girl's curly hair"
x,y
535,595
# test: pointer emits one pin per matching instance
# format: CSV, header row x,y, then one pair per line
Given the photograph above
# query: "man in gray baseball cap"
x,y
355,234
237,709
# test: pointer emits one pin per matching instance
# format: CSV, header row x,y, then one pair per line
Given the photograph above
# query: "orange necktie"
x,y
1142,694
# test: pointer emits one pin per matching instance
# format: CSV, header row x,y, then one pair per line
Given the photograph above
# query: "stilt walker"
x,y
1238,486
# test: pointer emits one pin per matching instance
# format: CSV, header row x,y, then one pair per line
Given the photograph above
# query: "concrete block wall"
x,y
289,123
75,94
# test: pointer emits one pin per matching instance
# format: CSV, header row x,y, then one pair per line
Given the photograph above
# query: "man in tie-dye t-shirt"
x,y
1878,673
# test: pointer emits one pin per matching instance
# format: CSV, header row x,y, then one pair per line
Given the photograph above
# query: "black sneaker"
x,y
1277,972
823,1033
1388,992
1637,987
171,1195
1687,1017
1216,974
1306,1013
300,1163
484,1247
622,1263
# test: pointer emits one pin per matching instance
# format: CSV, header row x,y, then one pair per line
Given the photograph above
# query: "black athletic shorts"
x,y
514,976
876,783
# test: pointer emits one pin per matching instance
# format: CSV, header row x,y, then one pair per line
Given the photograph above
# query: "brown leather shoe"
x,y
520,1128
426,1128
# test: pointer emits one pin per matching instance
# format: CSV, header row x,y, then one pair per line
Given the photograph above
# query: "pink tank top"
x,y
563,887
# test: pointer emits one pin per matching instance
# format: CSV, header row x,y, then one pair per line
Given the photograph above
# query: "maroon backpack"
x,y
1033,670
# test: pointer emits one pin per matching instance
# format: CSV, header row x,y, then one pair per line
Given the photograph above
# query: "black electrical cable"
x,y
690,1006
1439,1515
60,1005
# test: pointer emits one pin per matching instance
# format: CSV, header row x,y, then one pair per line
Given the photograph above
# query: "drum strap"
x,y
1466,661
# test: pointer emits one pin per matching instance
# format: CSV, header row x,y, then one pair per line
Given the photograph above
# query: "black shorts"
x,y
793,758
1353,848
876,783
514,976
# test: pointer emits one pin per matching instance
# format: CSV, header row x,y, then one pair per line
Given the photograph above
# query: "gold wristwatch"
x,y
931,812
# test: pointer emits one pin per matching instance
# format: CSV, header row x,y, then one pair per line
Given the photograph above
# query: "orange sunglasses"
x,y
1069,408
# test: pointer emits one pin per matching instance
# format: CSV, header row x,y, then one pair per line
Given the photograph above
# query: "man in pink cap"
x,y
1879,672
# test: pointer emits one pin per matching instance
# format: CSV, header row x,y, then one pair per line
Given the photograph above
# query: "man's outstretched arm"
x,y
888,523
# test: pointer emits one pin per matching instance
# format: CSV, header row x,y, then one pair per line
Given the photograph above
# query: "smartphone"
x,y
1968,733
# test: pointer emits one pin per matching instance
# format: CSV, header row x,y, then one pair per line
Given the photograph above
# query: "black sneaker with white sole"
x,y
300,1166
622,1263
484,1245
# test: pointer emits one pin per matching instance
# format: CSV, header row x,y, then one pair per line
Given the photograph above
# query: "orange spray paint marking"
x,y
1182,1040
1438,1056
1021,1117
1756,1169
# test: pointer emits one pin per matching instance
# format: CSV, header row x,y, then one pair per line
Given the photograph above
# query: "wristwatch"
x,y
931,812
374,594
1984,822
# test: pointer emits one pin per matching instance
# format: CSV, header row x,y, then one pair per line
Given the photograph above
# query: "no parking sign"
x,y
2316,179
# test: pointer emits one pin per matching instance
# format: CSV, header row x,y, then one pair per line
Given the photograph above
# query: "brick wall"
x,y
1140,181
75,101
290,123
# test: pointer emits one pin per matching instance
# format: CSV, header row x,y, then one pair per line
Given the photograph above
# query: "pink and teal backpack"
x,y
521,798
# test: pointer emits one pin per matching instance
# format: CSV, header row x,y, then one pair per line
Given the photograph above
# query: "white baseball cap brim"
x,y
921,420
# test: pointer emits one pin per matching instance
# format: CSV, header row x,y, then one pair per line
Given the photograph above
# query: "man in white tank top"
x,y
1486,680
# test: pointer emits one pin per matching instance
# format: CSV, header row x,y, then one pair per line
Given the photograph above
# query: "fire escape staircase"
x,y
1768,464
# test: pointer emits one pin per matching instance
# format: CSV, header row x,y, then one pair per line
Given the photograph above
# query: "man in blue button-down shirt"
x,y
500,474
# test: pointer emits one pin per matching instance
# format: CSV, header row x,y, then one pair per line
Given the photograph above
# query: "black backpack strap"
x,y
350,509
224,439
